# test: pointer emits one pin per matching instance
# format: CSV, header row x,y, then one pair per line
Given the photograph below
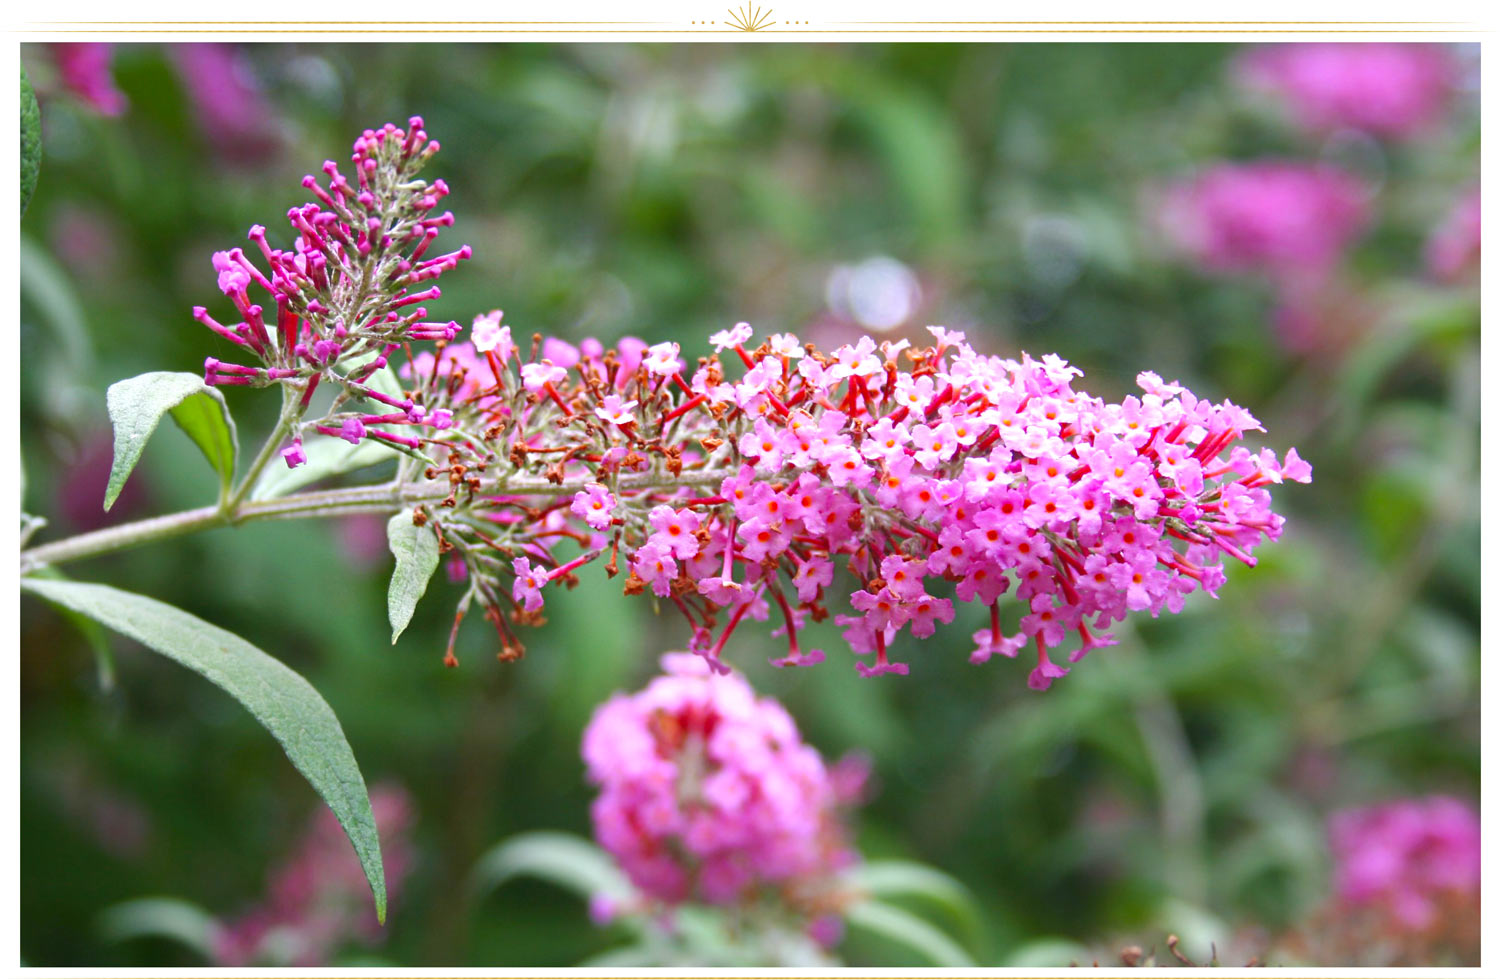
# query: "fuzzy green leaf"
x,y
278,697
416,551
136,406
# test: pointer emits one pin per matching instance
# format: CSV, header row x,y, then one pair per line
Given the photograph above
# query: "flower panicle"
x,y
878,485
928,475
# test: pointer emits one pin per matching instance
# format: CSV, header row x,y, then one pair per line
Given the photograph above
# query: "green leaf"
x,y
563,859
325,458
275,694
136,406
31,141
93,633
168,918
908,879
416,551
900,926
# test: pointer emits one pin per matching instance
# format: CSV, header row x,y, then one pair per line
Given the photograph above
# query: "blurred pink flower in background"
x,y
1290,220
362,539
85,475
232,111
87,239
1320,316
1390,90
708,793
1404,857
318,900
84,70
1453,247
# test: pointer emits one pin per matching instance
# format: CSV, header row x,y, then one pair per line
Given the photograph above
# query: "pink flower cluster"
x,y
318,900
1289,220
965,476
1390,90
1405,857
707,793
348,293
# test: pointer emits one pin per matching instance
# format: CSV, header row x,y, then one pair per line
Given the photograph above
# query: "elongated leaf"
x,y
900,926
908,879
168,918
325,458
136,406
416,551
275,694
93,633
31,140
563,859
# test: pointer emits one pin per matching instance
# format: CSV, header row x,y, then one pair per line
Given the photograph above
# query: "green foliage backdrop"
x,y
1179,782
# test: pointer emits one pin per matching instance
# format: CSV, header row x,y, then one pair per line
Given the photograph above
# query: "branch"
x,y
384,498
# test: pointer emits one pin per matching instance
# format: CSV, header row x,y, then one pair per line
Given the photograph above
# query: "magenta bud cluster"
x,y
351,287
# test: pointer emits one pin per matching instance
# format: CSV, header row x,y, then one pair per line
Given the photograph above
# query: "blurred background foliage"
x,y
1177,782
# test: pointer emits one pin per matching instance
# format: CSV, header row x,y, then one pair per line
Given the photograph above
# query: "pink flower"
x,y
733,337
537,376
707,793
228,101
615,410
1402,857
675,530
487,334
662,359
85,72
1391,90
1280,218
596,505
528,587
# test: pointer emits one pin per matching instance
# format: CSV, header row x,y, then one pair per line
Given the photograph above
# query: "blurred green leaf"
x,y
136,406
416,549
908,879
47,288
563,859
921,152
1047,952
166,918
901,926
31,141
93,633
275,694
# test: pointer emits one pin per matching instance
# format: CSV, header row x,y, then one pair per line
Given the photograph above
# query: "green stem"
x,y
359,500
382,498
289,413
